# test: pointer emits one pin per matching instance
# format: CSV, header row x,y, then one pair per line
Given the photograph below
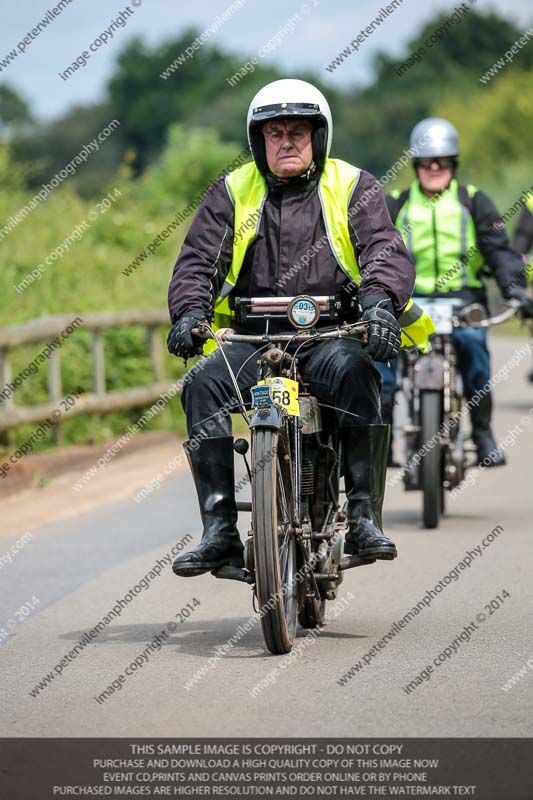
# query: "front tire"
x,y
274,541
431,464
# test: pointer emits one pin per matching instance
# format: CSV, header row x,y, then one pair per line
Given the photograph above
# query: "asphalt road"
x,y
78,569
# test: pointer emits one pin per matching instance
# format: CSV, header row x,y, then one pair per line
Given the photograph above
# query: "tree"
x,y
497,130
383,114
197,94
147,104
48,147
14,112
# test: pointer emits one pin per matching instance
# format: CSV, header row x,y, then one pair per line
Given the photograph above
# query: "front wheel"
x,y
431,464
274,543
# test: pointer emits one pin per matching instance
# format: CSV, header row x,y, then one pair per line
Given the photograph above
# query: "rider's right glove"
x,y
526,302
384,332
180,340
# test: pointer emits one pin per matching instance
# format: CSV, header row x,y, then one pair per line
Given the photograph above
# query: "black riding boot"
x,y
365,452
214,476
387,415
488,452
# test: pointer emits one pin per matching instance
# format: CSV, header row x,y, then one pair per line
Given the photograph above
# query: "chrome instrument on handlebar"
x,y
302,311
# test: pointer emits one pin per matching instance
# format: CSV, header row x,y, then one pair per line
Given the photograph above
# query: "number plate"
x,y
441,312
284,393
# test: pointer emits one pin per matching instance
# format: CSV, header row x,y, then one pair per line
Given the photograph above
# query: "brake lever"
x,y
356,327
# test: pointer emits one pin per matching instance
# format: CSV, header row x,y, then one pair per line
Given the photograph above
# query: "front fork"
x,y
426,373
436,372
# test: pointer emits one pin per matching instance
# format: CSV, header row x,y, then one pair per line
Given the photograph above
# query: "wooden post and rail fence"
x,y
99,400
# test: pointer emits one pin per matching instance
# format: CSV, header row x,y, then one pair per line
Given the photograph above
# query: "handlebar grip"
x,y
201,333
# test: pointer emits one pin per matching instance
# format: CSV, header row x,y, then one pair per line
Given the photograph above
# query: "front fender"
x,y
267,417
430,371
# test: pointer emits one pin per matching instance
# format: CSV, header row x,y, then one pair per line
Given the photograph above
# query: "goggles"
x,y
443,162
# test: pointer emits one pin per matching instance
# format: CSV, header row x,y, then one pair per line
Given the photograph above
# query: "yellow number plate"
x,y
284,393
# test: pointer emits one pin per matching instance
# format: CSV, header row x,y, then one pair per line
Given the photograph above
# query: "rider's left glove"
x,y
180,339
526,302
384,332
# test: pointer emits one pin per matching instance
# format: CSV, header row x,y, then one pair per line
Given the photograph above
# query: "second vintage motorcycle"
x,y
438,452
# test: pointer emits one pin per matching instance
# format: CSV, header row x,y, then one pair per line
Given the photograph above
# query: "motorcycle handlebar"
x,y
472,316
358,329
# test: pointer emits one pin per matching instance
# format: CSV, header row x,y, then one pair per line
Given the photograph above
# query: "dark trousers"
x,y
340,374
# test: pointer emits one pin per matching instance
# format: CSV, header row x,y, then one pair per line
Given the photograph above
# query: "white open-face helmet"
x,y
287,99
434,137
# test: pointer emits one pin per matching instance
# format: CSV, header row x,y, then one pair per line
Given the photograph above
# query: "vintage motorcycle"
x,y
438,452
294,550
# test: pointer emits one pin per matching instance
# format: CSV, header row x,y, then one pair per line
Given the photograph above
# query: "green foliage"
x,y
384,114
497,129
49,147
13,174
14,111
89,276
192,159
148,105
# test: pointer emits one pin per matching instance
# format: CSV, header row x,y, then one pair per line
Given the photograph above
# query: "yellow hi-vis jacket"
x,y
248,190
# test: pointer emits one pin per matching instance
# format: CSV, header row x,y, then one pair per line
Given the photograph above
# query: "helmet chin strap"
x,y
310,171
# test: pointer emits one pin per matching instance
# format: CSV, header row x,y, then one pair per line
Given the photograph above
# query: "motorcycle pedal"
x,y
348,562
229,572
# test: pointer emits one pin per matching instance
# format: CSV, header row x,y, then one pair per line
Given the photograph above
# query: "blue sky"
x,y
324,31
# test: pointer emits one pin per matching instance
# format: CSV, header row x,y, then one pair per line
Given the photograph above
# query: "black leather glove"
x,y
526,302
384,331
179,340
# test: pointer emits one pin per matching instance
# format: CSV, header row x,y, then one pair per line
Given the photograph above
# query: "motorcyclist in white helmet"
x,y
293,221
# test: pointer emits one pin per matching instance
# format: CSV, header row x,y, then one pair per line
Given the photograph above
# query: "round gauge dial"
x,y
303,312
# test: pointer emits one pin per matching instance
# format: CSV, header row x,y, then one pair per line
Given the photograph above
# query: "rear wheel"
x,y
312,606
274,542
312,613
431,464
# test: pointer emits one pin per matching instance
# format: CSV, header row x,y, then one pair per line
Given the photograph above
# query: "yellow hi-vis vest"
x,y
248,190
